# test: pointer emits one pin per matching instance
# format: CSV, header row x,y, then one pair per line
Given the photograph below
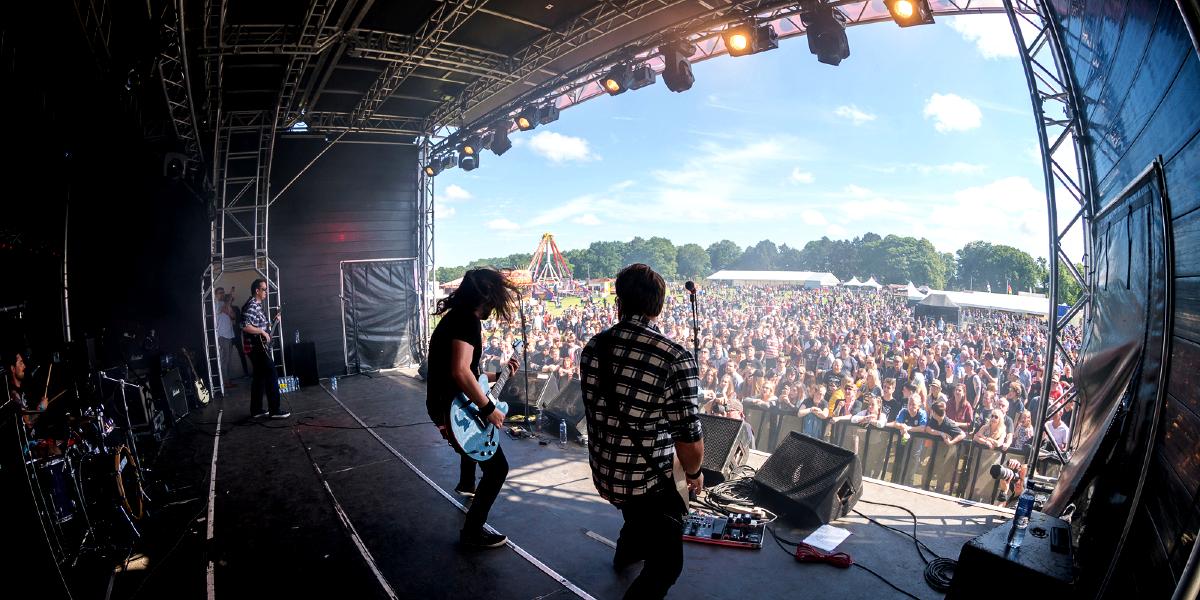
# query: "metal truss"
x,y
1070,192
173,72
340,121
95,17
239,230
314,22
426,266
582,83
214,63
456,58
275,40
445,20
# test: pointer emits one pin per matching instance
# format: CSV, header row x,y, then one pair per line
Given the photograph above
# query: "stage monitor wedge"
x,y
727,445
819,482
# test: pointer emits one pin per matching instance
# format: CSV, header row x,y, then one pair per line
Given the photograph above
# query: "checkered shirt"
x,y
640,397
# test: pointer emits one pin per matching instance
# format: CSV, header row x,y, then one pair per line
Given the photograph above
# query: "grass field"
x,y
572,302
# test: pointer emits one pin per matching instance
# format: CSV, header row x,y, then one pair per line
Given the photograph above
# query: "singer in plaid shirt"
x,y
640,397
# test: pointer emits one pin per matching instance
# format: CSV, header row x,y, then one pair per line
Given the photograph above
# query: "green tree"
x,y
790,259
723,254
1069,290
658,252
982,265
759,257
900,259
693,261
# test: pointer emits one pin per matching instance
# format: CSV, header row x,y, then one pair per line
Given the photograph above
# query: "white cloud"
x,y
715,101
560,148
442,211
588,219
991,34
954,168
951,112
799,176
853,113
456,192
814,218
855,191
835,232
502,224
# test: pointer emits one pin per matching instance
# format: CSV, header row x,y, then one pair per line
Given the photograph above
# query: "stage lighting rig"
x,y
677,71
826,35
750,38
469,147
433,167
468,162
449,161
907,13
528,118
548,113
499,143
618,80
642,76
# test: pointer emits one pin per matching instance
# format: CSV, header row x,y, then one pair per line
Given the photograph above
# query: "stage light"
x,y
750,38
549,113
499,143
527,119
449,161
468,162
826,36
642,76
469,147
677,71
433,167
617,81
907,13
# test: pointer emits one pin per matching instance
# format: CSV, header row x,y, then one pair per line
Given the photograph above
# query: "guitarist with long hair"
x,y
256,331
640,397
454,351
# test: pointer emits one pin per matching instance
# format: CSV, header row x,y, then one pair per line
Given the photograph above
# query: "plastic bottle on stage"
x,y
297,337
562,432
1021,520
333,383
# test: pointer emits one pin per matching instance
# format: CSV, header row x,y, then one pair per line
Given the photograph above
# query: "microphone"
x,y
691,287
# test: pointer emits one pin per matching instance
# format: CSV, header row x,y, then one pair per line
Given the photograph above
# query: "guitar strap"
x,y
605,349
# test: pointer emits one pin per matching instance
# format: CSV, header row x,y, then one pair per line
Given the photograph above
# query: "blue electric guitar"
x,y
474,435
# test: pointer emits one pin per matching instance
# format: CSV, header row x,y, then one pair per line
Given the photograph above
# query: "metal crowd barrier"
x,y
923,461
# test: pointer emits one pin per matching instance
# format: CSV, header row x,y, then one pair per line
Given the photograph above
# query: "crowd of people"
x,y
835,354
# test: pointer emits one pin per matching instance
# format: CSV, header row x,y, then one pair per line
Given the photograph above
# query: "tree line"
x,y
892,259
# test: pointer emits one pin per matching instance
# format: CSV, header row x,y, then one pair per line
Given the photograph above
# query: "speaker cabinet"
x,y
541,385
174,394
302,362
1042,563
566,405
727,445
818,482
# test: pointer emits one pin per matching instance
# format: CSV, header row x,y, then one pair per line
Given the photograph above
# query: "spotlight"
x,y
469,147
433,167
750,38
549,113
527,119
642,76
826,36
907,13
468,162
500,142
617,81
449,162
677,71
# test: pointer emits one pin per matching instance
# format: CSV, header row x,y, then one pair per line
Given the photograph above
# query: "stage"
x,y
317,504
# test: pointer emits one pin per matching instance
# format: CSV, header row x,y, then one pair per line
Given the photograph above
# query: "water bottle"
x,y
1021,520
562,432
296,338
333,383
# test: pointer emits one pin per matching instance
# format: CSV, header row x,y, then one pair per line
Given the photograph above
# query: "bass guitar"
x,y
202,395
472,434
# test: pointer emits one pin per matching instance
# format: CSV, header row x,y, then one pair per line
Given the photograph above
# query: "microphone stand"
x,y
695,327
129,423
525,363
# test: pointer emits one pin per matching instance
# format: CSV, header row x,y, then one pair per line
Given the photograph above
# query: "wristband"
x,y
487,409
695,475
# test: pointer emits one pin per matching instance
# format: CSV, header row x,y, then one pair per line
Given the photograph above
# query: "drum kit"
x,y
84,473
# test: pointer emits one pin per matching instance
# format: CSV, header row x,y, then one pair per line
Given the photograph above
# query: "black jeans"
x,y
653,531
495,471
265,379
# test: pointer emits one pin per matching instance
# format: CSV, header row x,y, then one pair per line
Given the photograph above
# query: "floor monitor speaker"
x,y
727,445
819,482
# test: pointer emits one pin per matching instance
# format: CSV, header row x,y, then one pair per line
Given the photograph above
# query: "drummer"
x,y
14,364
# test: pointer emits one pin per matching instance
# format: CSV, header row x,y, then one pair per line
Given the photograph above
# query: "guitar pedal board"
x,y
736,531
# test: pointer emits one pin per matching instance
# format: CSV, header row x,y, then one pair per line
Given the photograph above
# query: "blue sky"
x,y
925,131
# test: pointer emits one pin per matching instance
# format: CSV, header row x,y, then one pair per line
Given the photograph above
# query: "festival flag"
x,y
1009,284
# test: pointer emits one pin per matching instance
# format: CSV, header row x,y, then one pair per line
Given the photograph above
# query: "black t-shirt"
x,y
947,427
458,324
